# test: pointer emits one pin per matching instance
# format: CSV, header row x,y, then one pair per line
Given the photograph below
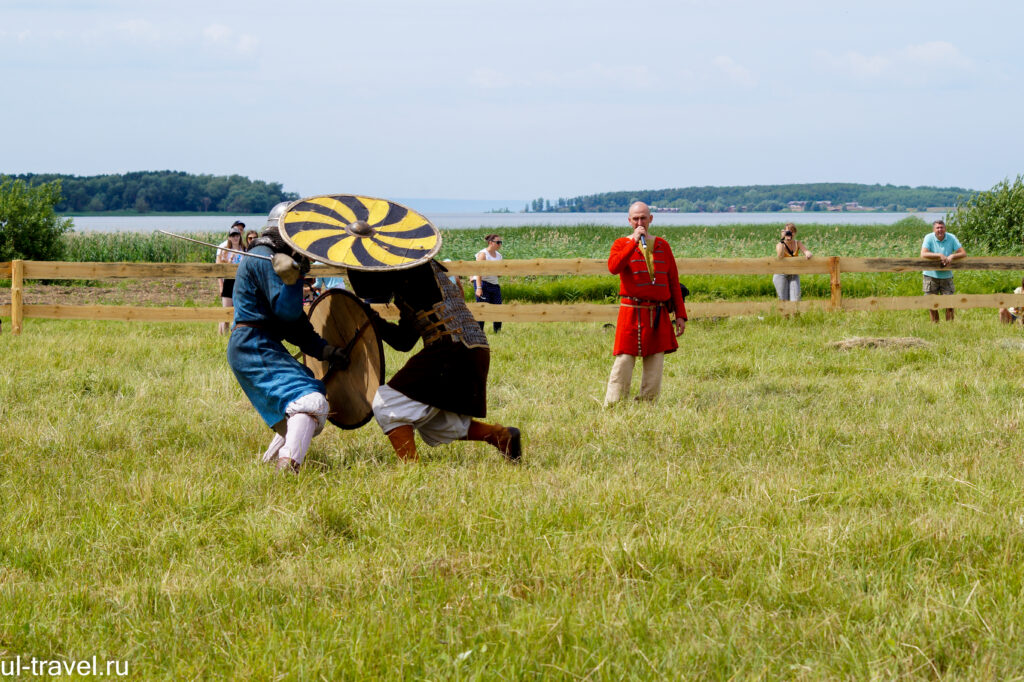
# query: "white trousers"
x,y
436,426
622,376
305,418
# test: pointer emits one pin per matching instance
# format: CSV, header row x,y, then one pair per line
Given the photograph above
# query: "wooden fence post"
x,y
837,289
17,286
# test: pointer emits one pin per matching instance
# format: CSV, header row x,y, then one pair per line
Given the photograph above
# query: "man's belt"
x,y
634,302
254,325
645,304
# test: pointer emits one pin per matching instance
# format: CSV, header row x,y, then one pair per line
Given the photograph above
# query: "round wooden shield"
x,y
341,319
359,232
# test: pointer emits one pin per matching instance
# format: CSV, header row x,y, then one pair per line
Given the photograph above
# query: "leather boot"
x,y
507,440
403,440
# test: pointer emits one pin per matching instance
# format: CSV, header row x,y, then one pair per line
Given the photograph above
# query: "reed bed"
x,y
593,241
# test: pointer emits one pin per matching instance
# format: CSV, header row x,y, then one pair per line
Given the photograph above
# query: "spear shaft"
x,y
214,246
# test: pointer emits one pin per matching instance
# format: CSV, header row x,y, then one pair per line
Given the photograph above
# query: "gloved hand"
x,y
286,268
336,357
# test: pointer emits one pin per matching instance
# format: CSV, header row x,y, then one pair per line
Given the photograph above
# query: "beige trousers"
x,y
622,376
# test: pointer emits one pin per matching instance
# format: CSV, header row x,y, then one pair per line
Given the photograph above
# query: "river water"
x,y
455,221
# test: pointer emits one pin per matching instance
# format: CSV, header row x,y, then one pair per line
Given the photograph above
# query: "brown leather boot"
x,y
507,440
403,440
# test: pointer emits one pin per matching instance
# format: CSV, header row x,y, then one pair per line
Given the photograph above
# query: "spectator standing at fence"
x,y
225,285
945,248
250,237
486,286
788,286
643,328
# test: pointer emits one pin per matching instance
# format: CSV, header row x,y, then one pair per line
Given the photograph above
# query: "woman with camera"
x,y
788,286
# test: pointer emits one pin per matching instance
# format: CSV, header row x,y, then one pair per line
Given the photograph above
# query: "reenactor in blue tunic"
x,y
268,310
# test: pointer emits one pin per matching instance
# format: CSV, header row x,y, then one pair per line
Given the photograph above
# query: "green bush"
x,y
29,227
993,220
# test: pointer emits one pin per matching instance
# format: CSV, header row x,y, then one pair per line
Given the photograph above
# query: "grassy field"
x,y
732,241
786,510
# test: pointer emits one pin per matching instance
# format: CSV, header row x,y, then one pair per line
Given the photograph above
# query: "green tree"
x,y
29,227
993,220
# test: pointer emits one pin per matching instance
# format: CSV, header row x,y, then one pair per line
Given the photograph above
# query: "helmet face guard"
x,y
357,232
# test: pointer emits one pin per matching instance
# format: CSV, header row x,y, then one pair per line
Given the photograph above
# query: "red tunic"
x,y
644,326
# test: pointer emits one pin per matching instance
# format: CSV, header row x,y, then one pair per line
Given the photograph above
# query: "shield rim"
x,y
380,349
383,268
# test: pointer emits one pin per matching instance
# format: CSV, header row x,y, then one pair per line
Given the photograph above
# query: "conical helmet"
x,y
275,213
362,233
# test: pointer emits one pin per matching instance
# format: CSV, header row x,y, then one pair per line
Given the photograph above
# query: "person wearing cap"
x,y
268,311
643,328
226,285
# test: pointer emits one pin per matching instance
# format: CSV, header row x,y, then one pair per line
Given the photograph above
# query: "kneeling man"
x,y
442,390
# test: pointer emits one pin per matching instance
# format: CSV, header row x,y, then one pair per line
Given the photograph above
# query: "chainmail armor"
x,y
449,317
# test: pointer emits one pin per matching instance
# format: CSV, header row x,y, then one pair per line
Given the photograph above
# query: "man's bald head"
x,y
639,214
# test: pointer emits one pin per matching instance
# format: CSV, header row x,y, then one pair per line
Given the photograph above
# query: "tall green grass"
x,y
593,241
584,241
138,247
786,510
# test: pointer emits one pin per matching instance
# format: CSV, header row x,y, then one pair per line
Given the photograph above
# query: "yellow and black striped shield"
x,y
362,233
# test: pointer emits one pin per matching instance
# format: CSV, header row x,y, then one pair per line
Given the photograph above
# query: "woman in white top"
x,y
227,286
487,289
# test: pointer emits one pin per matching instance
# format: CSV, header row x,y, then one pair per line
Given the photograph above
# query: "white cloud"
x,y
938,54
594,75
215,34
492,79
921,64
138,31
738,74
224,37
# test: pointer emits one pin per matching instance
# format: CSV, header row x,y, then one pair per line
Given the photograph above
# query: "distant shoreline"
x,y
226,214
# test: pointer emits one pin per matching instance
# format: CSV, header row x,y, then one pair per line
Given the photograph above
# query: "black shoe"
x,y
514,450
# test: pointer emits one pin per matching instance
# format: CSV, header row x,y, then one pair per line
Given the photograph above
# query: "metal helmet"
x,y
274,217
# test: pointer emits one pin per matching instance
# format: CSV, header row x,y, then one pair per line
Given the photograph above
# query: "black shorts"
x,y
227,289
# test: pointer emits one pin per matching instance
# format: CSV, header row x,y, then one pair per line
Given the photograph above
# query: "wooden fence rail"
x,y
546,266
19,271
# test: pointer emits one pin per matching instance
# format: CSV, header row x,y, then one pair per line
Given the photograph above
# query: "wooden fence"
x,y
19,271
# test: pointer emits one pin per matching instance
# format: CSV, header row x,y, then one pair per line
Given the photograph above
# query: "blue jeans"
x,y
491,294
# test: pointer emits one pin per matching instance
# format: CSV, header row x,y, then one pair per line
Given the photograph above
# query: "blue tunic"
x,y
269,375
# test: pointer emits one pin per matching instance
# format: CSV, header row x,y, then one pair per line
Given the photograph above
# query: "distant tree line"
x,y
161,191
813,197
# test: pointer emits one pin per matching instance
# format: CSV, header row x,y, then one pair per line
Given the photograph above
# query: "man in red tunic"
x,y
643,328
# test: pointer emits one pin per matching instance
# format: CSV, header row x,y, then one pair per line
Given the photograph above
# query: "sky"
x,y
495,99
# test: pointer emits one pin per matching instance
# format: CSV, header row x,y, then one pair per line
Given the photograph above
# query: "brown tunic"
x,y
450,372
